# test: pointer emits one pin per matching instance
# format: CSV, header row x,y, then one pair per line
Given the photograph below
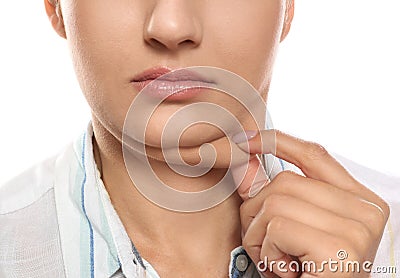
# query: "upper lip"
x,y
182,74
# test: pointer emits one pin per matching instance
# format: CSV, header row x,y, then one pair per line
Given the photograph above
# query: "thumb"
x,y
251,178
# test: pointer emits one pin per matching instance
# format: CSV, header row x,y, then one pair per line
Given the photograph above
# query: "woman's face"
x,y
112,41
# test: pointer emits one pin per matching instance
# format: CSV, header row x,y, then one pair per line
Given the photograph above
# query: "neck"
x,y
155,230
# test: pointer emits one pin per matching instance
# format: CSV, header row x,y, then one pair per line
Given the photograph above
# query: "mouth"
x,y
171,85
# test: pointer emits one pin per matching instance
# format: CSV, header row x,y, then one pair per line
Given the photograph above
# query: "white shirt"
x,y
57,220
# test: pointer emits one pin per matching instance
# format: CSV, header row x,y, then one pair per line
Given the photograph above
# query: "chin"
x,y
191,137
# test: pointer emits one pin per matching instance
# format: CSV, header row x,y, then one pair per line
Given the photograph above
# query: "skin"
x,y
111,41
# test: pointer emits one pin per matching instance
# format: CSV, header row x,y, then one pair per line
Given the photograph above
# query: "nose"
x,y
173,24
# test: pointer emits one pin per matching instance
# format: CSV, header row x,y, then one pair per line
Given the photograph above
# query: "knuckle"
x,y
353,254
373,216
361,235
381,205
246,242
243,209
284,181
284,177
275,225
384,206
273,202
315,151
337,245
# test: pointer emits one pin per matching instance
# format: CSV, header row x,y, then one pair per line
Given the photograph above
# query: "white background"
x,y
336,81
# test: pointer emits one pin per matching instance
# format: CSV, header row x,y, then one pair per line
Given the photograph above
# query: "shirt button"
x,y
241,262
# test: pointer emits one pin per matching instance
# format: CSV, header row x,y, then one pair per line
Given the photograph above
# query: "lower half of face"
x,y
114,41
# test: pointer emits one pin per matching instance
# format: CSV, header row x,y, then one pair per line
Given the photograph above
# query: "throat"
x,y
164,237
196,243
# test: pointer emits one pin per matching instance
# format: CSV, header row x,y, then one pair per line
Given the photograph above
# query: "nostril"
x,y
155,43
186,42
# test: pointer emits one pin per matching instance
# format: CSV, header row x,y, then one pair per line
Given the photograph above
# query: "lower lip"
x,y
171,90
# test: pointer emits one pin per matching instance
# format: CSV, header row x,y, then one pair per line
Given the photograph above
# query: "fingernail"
x,y
260,180
256,188
242,137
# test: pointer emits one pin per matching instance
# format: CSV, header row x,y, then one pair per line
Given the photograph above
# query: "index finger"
x,y
311,158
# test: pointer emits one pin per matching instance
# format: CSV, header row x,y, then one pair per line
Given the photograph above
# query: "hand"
x,y
296,218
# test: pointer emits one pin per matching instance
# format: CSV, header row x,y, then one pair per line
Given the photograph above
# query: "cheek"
x,y
101,38
247,39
